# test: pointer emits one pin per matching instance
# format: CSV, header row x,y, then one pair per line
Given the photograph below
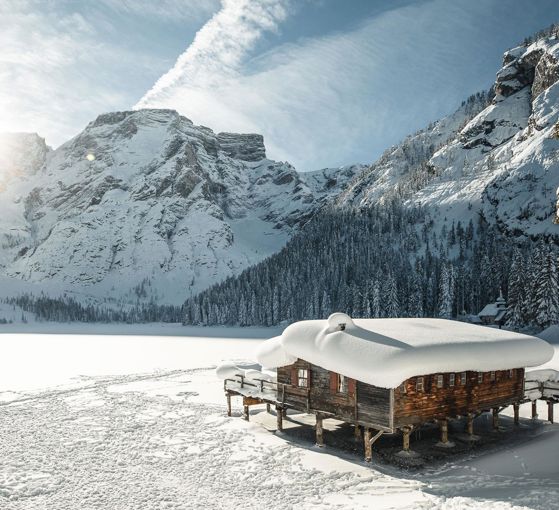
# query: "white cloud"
x,y
220,47
344,96
61,65
164,9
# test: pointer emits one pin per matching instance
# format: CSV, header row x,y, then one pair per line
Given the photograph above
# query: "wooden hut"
x,y
389,375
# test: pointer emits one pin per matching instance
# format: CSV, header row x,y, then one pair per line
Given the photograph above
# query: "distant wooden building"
x,y
494,313
389,375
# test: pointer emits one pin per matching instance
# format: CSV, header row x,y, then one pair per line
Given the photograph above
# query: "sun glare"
x,y
90,157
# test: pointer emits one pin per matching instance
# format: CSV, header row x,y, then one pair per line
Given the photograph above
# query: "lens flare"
x,y
90,157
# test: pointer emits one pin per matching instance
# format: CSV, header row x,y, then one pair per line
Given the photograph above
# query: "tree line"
x,y
387,261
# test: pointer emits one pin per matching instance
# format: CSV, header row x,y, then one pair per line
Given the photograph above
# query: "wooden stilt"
x,y
284,412
319,431
279,417
228,395
367,444
516,408
406,439
246,413
550,411
470,424
443,424
268,408
357,432
534,409
496,418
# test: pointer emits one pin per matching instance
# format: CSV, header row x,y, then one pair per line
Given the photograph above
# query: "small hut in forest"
x,y
390,375
494,313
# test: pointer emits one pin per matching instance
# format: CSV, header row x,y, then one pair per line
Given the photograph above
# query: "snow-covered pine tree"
x,y
375,300
546,301
516,308
445,293
391,302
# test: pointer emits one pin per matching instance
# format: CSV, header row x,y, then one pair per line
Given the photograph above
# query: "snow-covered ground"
x,y
122,421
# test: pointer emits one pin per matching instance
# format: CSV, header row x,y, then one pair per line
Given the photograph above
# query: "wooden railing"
x,y
241,380
546,390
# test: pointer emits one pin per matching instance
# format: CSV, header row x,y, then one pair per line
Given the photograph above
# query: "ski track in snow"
x,y
144,442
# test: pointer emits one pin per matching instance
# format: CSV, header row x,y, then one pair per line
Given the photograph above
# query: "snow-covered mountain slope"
x,y
144,203
502,162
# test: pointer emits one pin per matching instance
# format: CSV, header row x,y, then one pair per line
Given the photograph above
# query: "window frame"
x,y
302,375
480,377
493,376
440,381
341,385
420,384
451,380
463,378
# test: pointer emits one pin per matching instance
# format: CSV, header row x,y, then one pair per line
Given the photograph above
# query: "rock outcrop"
x,y
498,159
147,200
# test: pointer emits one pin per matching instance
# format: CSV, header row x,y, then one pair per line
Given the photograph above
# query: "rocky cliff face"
x,y
22,155
146,204
498,159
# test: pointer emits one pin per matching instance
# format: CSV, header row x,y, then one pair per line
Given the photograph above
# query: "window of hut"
x,y
440,380
419,384
303,378
463,378
342,384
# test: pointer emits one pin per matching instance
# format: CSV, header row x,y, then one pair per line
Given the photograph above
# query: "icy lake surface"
x,y
123,421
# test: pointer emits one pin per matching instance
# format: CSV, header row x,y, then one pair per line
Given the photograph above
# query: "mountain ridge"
x,y
147,198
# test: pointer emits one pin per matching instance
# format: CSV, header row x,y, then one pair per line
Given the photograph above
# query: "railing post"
x,y
406,431
279,418
319,431
534,409
496,418
516,408
367,443
357,432
470,424
444,431
550,411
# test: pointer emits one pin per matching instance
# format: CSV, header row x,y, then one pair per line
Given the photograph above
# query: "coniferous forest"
x,y
387,262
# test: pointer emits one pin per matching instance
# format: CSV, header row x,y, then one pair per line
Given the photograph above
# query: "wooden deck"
x,y
277,394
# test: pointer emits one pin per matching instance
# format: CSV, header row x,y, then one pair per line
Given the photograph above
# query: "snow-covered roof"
x,y
492,310
386,352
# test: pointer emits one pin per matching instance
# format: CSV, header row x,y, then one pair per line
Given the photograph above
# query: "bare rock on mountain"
x,y
147,196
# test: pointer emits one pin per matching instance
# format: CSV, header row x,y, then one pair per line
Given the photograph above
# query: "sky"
x,y
327,82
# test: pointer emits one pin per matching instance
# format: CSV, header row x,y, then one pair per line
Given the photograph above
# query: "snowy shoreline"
x,y
143,329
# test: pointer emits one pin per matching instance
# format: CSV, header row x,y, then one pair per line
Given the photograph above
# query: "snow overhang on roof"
x,y
386,352
489,310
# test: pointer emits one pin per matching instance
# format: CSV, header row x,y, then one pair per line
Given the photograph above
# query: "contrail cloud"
x,y
219,47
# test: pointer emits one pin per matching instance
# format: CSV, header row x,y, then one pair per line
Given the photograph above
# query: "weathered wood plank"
x,y
435,402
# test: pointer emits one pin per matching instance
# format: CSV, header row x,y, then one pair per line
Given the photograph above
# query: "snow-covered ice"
x,y
138,422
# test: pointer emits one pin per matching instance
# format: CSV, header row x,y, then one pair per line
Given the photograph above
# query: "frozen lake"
x,y
129,421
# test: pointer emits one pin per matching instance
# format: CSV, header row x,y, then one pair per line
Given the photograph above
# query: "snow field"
x,y
144,427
